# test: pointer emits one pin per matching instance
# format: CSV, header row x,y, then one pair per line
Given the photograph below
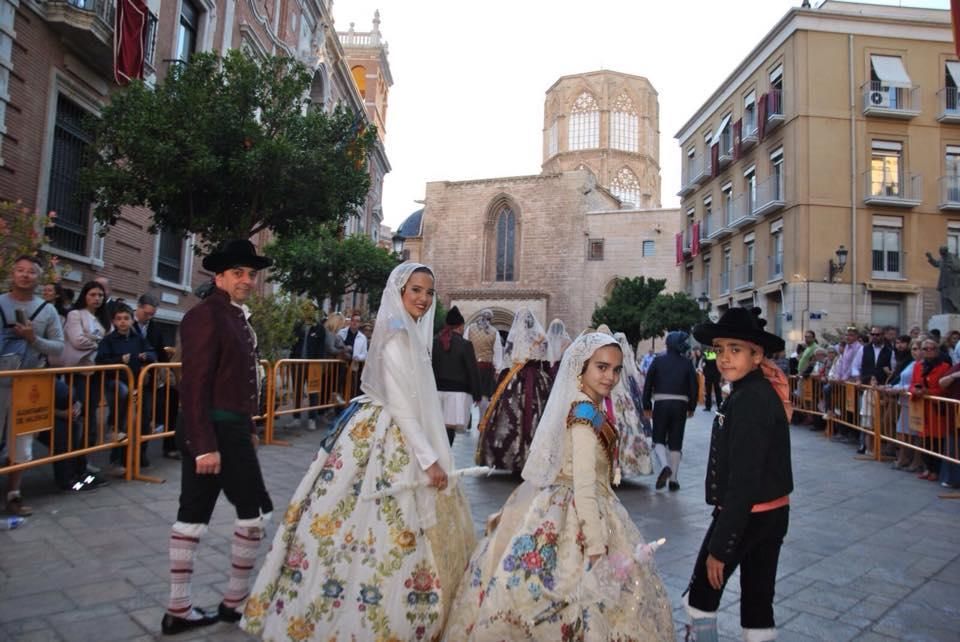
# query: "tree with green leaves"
x,y
273,318
668,312
318,263
225,148
624,309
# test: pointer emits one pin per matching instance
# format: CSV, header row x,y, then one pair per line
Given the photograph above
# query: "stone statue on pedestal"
x,y
948,283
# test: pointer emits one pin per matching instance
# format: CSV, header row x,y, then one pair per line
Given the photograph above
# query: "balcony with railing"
x,y
743,276
891,190
86,25
750,135
693,172
890,102
775,267
725,283
775,115
949,102
705,168
949,193
706,229
742,211
726,148
771,195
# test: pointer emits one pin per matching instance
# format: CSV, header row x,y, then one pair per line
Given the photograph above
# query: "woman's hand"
x,y
438,478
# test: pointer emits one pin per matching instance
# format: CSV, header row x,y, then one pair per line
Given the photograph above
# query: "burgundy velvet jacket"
x,y
219,369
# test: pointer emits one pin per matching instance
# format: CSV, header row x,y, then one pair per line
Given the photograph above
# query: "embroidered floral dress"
x,y
347,567
634,446
523,581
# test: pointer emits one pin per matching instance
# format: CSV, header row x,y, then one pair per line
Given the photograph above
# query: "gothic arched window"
x,y
584,131
626,187
624,125
506,228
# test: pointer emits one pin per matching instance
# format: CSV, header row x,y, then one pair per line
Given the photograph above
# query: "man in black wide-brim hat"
x,y
749,481
216,437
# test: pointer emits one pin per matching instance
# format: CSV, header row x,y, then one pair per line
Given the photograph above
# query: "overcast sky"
x,y
470,77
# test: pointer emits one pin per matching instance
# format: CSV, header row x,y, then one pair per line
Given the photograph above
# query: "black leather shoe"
x,y
664,476
227,614
674,485
171,624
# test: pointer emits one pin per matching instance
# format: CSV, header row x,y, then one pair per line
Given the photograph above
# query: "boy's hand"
x,y
125,358
714,572
142,356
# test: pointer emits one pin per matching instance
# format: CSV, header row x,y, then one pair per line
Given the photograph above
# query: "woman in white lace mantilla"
x,y
507,426
559,561
346,566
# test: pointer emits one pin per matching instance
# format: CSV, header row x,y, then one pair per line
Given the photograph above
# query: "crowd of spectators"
x,y
55,329
892,371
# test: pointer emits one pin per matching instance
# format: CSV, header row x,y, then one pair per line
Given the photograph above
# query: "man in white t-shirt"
x,y
355,339
31,332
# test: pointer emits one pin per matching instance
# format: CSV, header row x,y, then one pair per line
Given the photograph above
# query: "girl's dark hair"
x,y
100,313
606,345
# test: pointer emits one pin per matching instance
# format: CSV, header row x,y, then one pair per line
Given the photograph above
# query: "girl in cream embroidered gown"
x,y
524,579
343,565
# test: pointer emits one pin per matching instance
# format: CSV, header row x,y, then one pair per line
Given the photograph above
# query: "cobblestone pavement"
x,y
872,553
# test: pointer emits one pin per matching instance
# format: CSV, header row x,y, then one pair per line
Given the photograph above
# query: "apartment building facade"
x,y
822,170
57,68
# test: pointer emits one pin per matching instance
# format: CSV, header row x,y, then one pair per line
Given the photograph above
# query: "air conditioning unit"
x,y
880,98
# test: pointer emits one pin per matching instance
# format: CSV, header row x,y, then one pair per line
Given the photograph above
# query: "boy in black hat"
x,y
749,480
217,439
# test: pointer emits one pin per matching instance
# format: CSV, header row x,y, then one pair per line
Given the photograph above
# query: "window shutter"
x,y
715,160
695,241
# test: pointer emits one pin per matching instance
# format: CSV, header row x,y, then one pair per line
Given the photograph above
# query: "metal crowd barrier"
x,y
928,424
322,383
29,398
158,400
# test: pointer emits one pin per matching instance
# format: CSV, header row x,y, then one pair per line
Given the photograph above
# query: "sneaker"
x,y
114,436
95,481
15,506
311,425
674,486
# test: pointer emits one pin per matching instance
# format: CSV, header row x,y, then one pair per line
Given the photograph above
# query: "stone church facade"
x,y
556,241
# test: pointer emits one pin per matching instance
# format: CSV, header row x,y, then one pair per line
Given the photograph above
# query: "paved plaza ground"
x,y
872,553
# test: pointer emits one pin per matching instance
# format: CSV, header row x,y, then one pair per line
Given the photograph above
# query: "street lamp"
x,y
704,302
397,244
837,268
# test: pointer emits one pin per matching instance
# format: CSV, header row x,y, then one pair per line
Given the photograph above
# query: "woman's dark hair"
x,y
606,345
100,313
61,302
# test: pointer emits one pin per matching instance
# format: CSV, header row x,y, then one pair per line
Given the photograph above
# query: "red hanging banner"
x,y
129,35
695,241
679,239
955,19
761,116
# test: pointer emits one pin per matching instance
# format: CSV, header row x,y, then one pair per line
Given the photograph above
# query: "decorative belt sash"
x,y
780,502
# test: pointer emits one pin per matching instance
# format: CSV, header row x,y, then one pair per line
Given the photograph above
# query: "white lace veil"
x,y
546,452
526,338
557,340
417,380
630,367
